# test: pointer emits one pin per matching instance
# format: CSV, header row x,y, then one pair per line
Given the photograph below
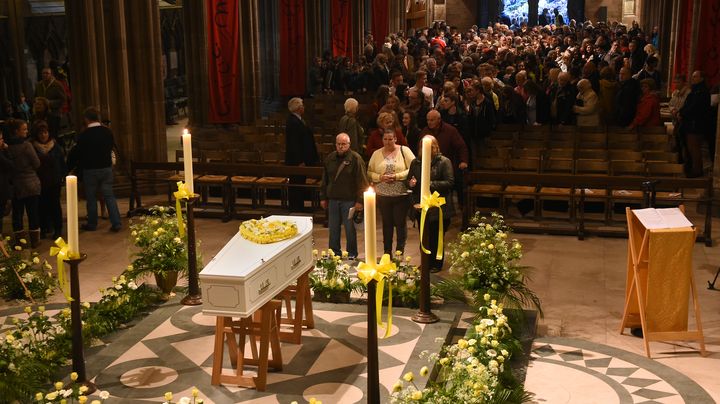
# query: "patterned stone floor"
x,y
171,350
602,374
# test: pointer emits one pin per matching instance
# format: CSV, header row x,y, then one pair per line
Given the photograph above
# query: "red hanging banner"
x,y
342,28
708,51
380,22
223,66
682,48
292,47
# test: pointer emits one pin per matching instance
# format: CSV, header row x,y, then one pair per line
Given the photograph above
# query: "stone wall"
x,y
614,9
461,13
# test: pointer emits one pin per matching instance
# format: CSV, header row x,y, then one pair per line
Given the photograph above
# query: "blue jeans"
x,y
100,179
337,216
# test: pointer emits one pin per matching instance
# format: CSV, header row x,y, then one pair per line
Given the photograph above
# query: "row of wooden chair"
x,y
594,140
500,128
543,164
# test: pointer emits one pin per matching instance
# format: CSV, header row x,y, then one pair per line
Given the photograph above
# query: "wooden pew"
x,y
500,180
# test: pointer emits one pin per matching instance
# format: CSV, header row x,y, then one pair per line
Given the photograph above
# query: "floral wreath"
x,y
265,231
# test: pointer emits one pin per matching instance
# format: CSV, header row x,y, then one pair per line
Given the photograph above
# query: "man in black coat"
x,y
94,155
695,123
626,98
300,150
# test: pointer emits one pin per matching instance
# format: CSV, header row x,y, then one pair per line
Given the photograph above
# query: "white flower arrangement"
x,y
470,370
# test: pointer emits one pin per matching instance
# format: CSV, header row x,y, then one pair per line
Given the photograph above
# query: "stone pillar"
x,y
358,26
144,58
116,59
249,61
697,5
533,6
16,26
674,30
313,37
120,83
397,12
196,60
83,52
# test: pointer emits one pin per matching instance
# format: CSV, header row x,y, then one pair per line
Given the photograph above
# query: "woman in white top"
x,y
387,170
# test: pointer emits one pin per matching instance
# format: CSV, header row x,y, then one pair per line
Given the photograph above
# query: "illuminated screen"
x,y
517,10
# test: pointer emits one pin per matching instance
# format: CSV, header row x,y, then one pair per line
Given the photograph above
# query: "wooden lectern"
x,y
659,277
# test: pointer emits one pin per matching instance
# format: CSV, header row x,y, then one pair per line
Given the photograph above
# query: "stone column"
x,y
83,52
358,26
675,12
16,26
249,61
533,6
119,82
145,72
116,59
697,5
196,60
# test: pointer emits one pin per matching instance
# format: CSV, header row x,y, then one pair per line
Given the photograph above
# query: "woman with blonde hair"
x,y
388,170
385,121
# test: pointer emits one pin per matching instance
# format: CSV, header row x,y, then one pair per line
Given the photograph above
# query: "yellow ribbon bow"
x,y
62,251
368,271
434,200
181,193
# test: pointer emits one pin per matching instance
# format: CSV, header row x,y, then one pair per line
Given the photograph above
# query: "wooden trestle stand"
x,y
659,277
265,325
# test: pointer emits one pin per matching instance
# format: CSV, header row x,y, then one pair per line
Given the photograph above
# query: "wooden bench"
x,y
149,174
667,191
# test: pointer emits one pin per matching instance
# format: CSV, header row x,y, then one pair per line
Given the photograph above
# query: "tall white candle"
x,y
426,160
369,202
72,214
187,160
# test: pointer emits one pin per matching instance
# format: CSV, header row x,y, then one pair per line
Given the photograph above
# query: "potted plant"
x,y
330,280
485,260
160,250
405,281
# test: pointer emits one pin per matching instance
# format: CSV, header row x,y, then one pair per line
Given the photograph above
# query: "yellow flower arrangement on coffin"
x,y
265,231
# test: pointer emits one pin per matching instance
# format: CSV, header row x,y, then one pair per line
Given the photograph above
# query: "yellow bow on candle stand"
x,y
368,271
181,193
62,251
434,200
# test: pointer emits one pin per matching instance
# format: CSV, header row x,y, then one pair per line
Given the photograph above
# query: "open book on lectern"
x,y
667,218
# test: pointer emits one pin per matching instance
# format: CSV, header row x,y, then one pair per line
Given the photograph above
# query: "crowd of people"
x,y
458,86
33,164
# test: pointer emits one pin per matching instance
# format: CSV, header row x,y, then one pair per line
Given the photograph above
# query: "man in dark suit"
x,y
300,150
94,156
626,98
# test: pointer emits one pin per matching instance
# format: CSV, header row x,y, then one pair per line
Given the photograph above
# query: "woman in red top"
x,y
386,120
648,108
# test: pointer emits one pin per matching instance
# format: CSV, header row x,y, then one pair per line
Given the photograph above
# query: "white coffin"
x,y
244,275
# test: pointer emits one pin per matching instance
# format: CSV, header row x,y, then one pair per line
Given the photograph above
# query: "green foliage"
x,y
35,274
485,260
35,348
472,370
331,275
405,281
29,354
159,247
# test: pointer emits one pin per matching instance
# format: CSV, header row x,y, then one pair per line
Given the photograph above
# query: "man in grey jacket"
x,y
342,188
